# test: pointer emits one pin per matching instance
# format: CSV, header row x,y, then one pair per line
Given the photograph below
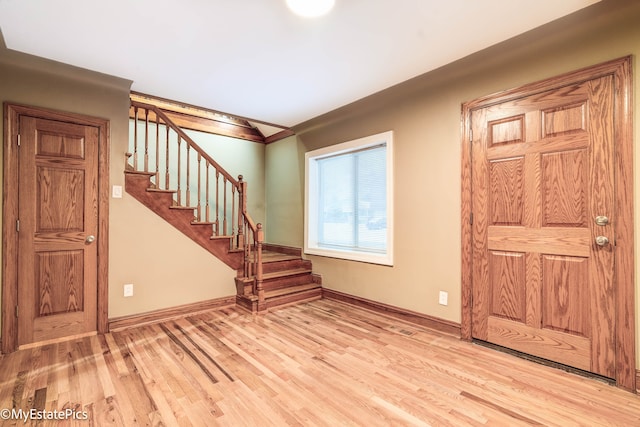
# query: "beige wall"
x,y
284,192
239,157
166,268
424,114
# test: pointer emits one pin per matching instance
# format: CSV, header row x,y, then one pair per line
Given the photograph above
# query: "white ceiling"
x,y
254,58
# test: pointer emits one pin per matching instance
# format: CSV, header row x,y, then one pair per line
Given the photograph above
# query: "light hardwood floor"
x,y
323,363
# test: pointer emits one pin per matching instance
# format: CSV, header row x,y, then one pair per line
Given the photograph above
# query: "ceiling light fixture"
x,y
310,8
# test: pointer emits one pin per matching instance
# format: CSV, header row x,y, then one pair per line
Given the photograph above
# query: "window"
x,y
349,200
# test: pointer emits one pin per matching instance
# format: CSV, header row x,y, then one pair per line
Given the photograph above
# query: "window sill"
x,y
371,258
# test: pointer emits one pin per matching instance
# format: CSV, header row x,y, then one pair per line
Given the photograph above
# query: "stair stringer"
x,y
139,186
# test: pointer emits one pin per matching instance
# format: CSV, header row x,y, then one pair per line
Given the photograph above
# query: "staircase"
x,y
286,279
171,175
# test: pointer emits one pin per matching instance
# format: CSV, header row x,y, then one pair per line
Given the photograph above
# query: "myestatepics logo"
x,y
37,415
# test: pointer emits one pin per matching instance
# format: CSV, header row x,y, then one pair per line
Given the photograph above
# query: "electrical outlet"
x,y
443,298
128,290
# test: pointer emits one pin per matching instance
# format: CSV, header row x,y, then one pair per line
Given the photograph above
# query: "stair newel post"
x,y
259,288
242,209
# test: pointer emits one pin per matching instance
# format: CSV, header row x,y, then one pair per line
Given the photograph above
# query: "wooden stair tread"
x,y
269,256
137,184
225,237
158,190
186,208
287,278
286,273
135,172
290,290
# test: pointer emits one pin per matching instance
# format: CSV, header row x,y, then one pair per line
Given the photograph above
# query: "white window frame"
x,y
311,203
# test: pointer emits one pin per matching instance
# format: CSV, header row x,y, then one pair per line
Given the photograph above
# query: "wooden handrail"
x,y
185,137
248,236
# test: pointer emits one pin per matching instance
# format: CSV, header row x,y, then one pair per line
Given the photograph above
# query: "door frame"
x,y
624,299
12,113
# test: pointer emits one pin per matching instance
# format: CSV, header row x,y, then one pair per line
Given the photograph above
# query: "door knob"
x,y
602,241
90,239
602,220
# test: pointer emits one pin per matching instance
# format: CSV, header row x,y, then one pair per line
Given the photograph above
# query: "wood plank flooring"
x,y
323,363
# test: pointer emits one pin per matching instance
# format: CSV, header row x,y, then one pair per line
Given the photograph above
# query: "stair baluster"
x,y
244,235
265,279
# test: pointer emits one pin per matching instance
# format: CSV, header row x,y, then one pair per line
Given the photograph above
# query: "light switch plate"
x,y
116,192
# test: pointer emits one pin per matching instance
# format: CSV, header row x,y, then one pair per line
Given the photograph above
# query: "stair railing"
x,y
176,163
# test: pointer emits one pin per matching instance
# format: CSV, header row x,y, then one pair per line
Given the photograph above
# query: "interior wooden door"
x,y
542,183
58,226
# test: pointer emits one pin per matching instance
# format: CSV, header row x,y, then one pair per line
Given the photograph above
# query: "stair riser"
x,y
270,267
280,301
206,228
283,282
283,249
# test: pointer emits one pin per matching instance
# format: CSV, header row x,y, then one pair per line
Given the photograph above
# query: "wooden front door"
x,y
55,225
545,218
58,214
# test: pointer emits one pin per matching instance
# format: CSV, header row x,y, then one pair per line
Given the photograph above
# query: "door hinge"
x,y
471,218
16,311
18,140
17,225
470,135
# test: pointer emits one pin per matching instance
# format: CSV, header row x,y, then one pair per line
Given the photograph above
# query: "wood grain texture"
x,y
602,202
441,325
563,120
625,260
563,281
66,267
564,240
164,314
507,272
58,209
506,180
574,184
56,145
466,221
212,121
567,128
64,146
507,130
137,183
353,367
564,178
